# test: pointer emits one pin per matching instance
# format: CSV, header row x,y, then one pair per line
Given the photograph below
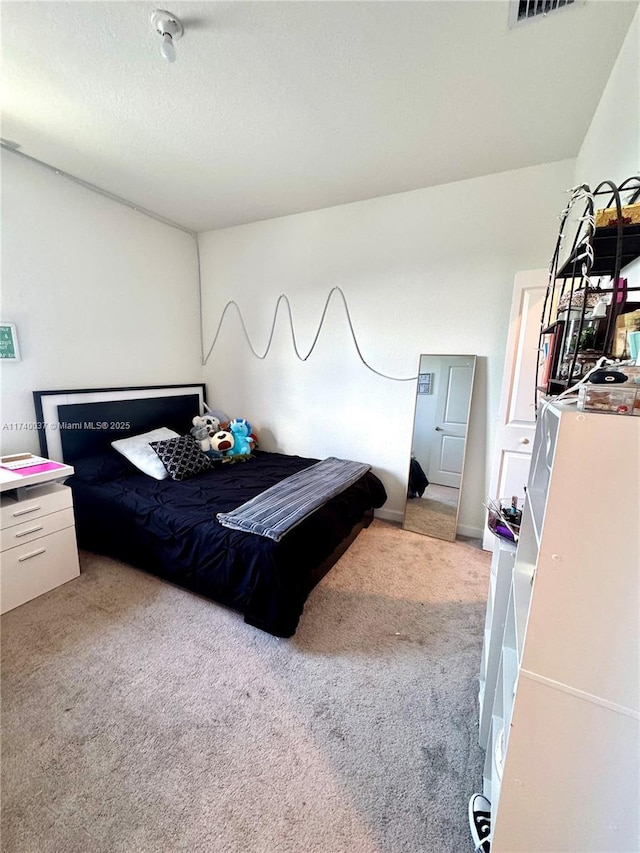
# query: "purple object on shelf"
x,y
501,530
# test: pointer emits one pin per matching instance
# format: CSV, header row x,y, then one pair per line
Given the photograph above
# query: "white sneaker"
x,y
480,822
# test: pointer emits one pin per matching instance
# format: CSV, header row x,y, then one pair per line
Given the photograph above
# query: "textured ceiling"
x,y
279,107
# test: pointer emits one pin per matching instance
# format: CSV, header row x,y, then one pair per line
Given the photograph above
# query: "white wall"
x,y
429,271
611,148
101,295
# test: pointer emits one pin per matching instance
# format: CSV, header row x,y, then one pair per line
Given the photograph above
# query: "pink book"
x,y
42,468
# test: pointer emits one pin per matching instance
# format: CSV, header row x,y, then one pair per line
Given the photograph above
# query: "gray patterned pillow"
x,y
181,457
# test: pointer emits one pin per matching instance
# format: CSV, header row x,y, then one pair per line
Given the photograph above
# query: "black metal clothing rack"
x,y
572,337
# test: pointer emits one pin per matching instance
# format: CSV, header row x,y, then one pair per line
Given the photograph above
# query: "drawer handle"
x,y
25,511
30,530
32,554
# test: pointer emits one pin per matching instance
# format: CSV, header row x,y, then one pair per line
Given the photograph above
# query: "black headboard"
x,y
73,424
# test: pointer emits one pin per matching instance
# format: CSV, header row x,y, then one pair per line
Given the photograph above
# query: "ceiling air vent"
x,y
521,11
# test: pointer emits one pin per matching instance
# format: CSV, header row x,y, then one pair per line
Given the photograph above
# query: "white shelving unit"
x,y
560,672
497,602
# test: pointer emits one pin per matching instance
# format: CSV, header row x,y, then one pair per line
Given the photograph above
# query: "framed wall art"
x,y
425,383
9,349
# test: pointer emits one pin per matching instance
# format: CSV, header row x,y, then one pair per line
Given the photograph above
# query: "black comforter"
x,y
170,529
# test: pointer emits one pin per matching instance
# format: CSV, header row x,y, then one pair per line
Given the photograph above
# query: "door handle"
x,y
439,429
523,441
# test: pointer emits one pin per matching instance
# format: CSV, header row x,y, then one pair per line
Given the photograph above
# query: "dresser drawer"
x,y
27,571
35,528
42,500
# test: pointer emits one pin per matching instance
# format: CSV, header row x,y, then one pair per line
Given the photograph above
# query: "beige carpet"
x,y
444,494
431,517
138,717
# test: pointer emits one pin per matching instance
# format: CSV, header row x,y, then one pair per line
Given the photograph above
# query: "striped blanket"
x,y
276,510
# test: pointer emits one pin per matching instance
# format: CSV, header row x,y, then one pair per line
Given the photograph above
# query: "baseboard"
x,y
397,517
390,515
473,532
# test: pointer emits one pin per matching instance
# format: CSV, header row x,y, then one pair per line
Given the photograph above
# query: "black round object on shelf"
x,y
607,377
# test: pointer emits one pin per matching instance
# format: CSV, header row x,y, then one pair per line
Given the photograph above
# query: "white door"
x,y
450,422
516,421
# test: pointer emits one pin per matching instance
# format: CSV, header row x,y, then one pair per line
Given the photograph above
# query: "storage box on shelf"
x,y
618,398
37,534
561,766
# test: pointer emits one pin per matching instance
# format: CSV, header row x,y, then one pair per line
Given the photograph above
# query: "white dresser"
x,y
38,537
560,672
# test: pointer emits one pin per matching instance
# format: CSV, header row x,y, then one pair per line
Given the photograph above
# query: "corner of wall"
x,y
611,147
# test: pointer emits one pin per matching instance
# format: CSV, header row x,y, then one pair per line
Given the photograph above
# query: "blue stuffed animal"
x,y
241,430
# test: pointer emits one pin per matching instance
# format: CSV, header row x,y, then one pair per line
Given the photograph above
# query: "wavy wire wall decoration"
x,y
284,298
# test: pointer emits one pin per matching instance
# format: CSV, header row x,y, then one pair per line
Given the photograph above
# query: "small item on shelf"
x,y
575,300
515,514
618,401
584,362
625,323
600,309
608,217
22,460
607,377
548,351
633,344
504,518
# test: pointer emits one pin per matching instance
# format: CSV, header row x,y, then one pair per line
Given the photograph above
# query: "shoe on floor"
x,y
480,822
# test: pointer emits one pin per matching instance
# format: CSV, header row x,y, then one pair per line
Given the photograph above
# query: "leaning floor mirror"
x,y
440,427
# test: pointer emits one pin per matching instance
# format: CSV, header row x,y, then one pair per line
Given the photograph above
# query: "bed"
x,y
170,528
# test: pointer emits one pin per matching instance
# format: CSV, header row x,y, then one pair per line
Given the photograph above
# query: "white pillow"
x,y
139,452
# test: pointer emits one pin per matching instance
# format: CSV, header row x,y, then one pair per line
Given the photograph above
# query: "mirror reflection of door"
x,y
443,402
451,415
